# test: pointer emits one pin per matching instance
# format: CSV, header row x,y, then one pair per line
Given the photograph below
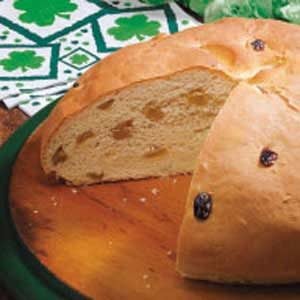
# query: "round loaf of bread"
x,y
147,109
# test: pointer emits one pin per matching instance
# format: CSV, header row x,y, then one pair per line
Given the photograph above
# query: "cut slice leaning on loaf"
x,y
146,111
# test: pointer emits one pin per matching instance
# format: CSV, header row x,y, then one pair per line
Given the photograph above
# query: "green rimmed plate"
x,y
20,272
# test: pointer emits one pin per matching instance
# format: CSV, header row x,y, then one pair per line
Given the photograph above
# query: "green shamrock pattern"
x,y
24,60
79,59
44,12
45,45
136,26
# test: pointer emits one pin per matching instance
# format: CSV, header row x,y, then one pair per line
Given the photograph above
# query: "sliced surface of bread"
x,y
150,129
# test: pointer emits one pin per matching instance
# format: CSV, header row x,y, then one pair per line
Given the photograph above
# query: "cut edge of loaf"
x,y
180,108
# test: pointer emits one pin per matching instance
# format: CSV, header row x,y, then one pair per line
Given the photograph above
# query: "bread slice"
x,y
145,110
252,233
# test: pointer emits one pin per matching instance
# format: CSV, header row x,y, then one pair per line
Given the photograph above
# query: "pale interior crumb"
x,y
150,129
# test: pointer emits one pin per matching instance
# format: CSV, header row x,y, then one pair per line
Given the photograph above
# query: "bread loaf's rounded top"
x,y
262,52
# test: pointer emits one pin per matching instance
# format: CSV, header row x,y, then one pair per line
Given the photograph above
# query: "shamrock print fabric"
x,y
136,26
45,45
24,60
35,12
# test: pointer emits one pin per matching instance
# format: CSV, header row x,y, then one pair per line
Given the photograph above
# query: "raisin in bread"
x,y
145,110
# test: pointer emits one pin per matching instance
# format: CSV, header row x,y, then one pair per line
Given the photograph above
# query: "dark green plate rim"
x,y
20,271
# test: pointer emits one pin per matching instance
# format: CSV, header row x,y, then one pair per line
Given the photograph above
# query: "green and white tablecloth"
x,y
46,44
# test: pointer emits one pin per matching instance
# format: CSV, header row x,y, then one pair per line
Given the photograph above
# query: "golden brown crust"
x,y
252,234
255,209
224,46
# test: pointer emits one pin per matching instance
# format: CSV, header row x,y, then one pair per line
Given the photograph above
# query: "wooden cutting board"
x,y
112,241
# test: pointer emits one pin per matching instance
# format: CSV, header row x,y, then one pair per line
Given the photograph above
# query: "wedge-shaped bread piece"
x,y
250,232
145,110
